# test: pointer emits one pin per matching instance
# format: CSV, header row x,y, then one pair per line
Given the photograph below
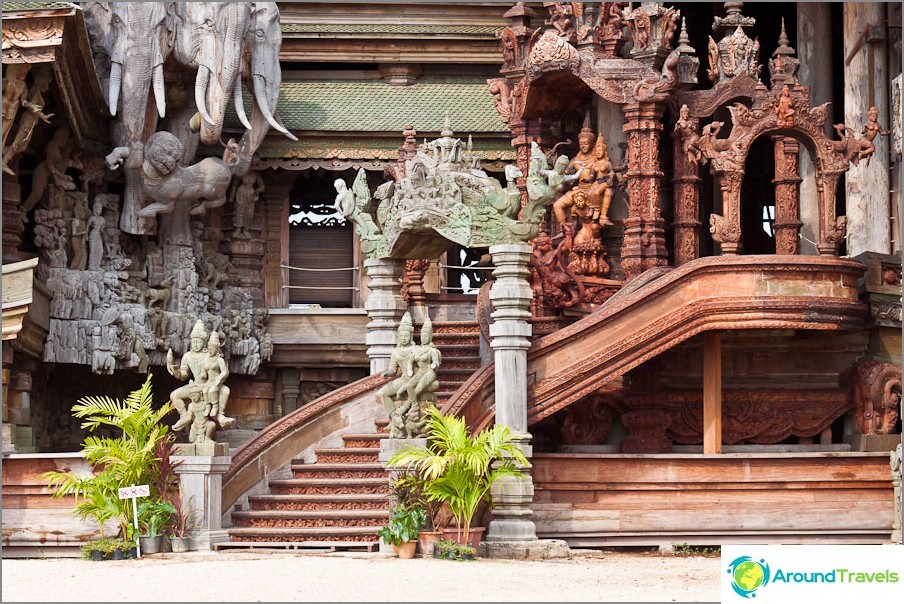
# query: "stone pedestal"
x,y
510,338
391,446
201,481
385,308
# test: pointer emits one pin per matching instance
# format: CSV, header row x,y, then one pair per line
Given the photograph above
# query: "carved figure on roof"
x,y
509,42
354,204
870,129
686,129
713,52
561,17
854,149
669,24
167,182
640,30
14,91
29,119
57,159
784,110
244,197
95,229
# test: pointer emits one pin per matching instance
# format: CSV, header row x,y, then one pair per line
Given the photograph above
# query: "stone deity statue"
x,y
199,366
197,418
402,396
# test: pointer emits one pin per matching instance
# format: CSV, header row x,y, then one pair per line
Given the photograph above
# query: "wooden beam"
x,y
712,392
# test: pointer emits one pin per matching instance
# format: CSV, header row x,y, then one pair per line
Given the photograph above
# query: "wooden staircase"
x,y
341,501
459,343
338,502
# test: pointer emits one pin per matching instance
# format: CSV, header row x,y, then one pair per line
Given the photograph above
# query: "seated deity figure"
x,y
427,357
592,165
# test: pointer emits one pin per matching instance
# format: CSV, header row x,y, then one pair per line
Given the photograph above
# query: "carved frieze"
x,y
875,390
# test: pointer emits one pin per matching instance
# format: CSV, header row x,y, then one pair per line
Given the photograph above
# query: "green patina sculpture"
x,y
408,395
445,198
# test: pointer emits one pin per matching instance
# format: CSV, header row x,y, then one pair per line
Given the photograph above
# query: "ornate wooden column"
x,y
726,228
644,239
832,228
686,202
276,216
787,195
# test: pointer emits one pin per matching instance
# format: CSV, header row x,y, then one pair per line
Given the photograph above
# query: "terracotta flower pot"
x,y
426,540
406,550
473,538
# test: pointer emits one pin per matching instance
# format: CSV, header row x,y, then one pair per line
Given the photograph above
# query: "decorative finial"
x,y
784,48
447,127
684,41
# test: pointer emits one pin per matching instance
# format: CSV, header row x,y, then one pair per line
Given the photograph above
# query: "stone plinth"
x,y
539,549
391,446
201,482
384,307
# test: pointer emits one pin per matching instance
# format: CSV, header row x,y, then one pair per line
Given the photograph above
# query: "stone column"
x,y
644,240
201,482
866,85
814,49
787,201
385,308
510,338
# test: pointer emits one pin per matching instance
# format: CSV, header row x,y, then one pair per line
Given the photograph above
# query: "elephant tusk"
x,y
201,92
159,91
240,103
261,95
115,84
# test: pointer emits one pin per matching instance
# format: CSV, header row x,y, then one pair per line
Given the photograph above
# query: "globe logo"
x,y
748,575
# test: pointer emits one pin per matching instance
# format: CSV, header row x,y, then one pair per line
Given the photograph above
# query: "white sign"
x,y
141,490
812,573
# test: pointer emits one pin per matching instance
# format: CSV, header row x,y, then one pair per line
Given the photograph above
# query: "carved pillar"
x,y
13,224
290,379
644,240
385,308
787,195
687,205
726,228
832,229
510,338
414,280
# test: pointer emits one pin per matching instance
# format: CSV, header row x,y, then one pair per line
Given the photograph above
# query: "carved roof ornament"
x,y
784,65
735,54
562,19
552,52
610,30
688,63
651,28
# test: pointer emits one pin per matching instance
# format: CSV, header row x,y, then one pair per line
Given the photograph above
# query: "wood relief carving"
x,y
875,389
588,422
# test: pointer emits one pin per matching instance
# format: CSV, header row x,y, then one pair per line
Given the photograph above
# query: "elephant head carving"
x,y
264,39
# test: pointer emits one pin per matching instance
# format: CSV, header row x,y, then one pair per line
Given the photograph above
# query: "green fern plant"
x,y
127,459
460,468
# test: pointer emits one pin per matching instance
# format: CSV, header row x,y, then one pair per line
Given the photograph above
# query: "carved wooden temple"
x,y
660,241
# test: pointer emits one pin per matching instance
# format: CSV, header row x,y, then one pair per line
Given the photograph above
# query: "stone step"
x,y
364,441
348,455
338,470
329,486
309,519
344,501
326,533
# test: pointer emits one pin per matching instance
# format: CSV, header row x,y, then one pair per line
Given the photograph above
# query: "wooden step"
x,y
348,455
309,519
361,441
343,501
329,486
284,535
338,470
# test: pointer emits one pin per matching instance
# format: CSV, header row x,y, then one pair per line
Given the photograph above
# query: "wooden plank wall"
x,y
34,523
599,499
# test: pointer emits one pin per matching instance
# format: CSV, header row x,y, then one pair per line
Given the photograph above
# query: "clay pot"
x,y
151,545
426,541
406,550
180,545
474,537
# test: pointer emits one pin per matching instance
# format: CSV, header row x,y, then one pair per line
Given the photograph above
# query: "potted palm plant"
x,y
459,468
125,459
401,531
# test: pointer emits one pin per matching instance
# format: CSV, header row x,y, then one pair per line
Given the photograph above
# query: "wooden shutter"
x,y
321,247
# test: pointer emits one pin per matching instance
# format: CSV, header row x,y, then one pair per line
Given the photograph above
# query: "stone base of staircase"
x,y
308,546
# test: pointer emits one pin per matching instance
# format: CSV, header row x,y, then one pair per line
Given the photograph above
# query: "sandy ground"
x,y
239,576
